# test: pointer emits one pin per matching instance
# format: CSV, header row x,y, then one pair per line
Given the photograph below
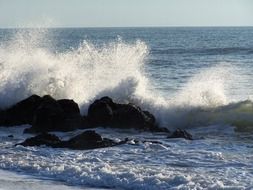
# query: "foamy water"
x,y
201,85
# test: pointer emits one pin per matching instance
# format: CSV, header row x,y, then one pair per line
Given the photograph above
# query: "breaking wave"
x,y
117,70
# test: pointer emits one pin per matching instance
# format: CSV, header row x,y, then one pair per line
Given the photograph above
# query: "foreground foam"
x,y
174,164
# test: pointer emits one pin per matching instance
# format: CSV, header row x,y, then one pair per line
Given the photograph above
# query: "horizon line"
x,y
179,26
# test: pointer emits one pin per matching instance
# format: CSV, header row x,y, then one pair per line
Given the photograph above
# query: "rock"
x,y
100,113
20,113
131,116
89,140
49,116
179,133
69,106
52,115
83,141
104,112
42,139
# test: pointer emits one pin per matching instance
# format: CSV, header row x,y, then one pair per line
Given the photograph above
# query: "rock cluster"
x,y
45,114
86,140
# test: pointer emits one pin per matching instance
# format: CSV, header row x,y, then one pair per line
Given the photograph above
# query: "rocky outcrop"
x,y
100,112
44,114
47,114
179,133
20,113
53,115
86,140
104,112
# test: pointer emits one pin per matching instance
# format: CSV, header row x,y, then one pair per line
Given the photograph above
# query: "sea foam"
x,y
115,69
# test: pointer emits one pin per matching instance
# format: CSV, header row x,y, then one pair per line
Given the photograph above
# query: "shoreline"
x,y
11,180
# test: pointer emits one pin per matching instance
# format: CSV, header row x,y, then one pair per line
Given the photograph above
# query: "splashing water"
x,y
80,73
114,69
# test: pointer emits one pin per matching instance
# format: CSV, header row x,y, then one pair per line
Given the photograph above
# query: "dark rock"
x,y
42,139
83,141
131,116
49,116
10,136
20,113
52,115
104,112
179,133
69,106
100,113
89,140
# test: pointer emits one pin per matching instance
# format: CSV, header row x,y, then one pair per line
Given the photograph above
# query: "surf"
x,y
116,69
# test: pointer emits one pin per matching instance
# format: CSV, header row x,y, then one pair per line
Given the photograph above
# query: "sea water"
x,y
199,79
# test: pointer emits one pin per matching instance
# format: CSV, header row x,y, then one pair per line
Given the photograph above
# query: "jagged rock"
x,y
47,114
104,112
20,113
100,113
52,115
83,141
69,106
44,114
179,133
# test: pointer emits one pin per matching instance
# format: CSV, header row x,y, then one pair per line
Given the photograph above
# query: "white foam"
x,y
176,164
80,74
114,69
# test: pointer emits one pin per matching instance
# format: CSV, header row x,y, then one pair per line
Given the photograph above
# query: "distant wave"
x,y
206,51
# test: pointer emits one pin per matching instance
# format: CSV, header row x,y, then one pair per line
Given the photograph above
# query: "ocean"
x,y
194,78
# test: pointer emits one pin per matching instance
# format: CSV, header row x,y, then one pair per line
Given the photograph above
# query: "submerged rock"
x,y
86,140
179,133
90,140
42,139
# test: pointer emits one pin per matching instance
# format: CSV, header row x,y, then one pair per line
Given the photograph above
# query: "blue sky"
x,y
123,13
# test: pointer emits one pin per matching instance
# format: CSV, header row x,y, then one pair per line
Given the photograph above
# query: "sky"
x,y
125,13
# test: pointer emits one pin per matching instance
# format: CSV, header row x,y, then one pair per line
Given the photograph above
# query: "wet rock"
x,y
89,140
69,106
20,113
83,141
52,115
49,116
100,113
179,133
42,139
104,112
131,116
